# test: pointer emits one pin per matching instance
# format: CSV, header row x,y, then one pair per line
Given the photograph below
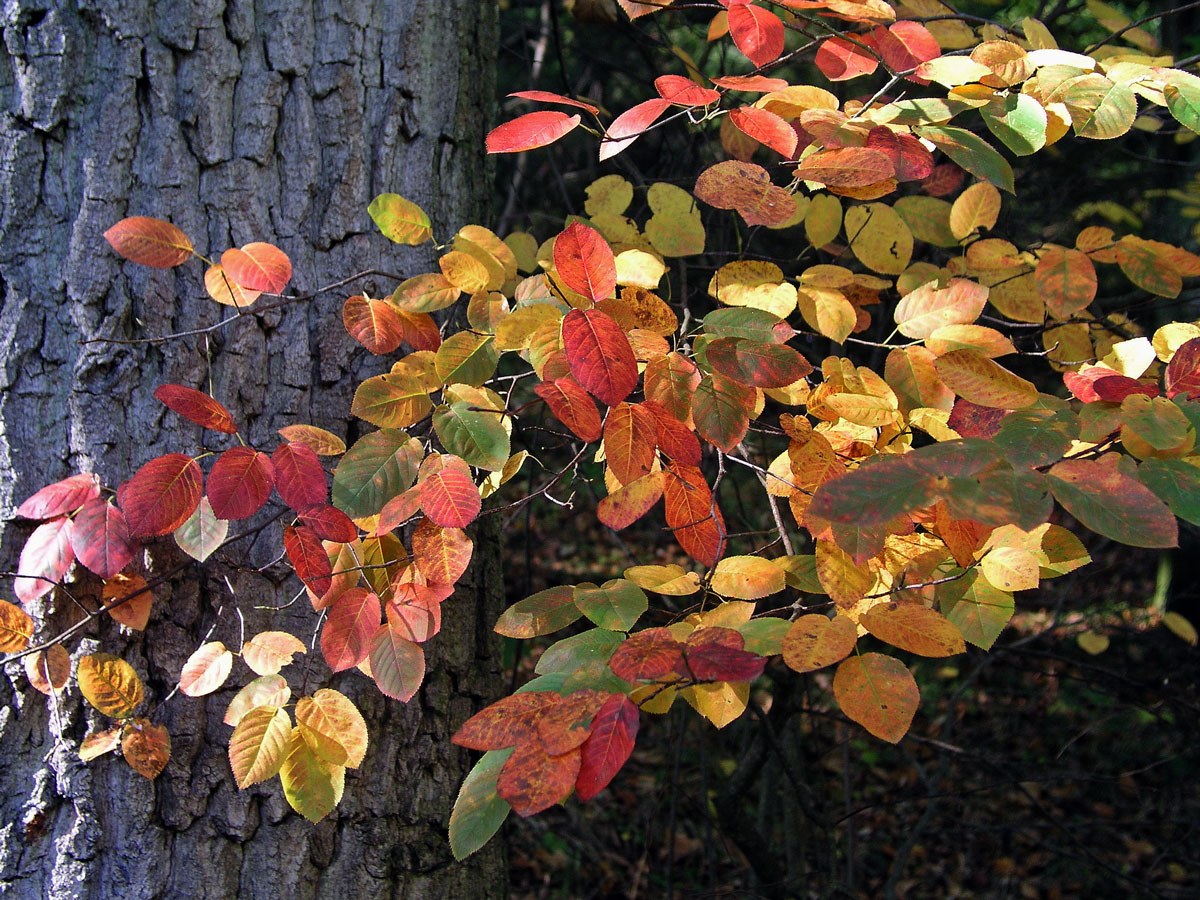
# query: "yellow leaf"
x,y
976,209
269,651
675,228
110,684
312,786
639,268
670,580
1180,627
334,727
915,628
759,285
824,220
1010,568
879,238
1092,643
974,377
611,194
747,577
719,702
259,744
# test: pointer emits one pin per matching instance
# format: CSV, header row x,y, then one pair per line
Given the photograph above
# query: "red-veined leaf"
x,y
150,242
878,693
100,538
614,730
911,159
847,167
572,406
373,323
329,523
507,722
629,436
532,780
692,513
161,495
585,262
629,126
61,497
599,355
299,478
258,266
206,669
622,508
648,655
683,91
441,554
530,131
840,59
747,188
767,128
240,483
905,45
450,498
548,97
196,406
45,559
350,628
397,663
673,438
308,557
757,32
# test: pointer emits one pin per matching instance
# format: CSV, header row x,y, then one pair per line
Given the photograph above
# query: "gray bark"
x,y
245,120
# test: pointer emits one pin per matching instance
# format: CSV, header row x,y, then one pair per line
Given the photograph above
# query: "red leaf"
x,y
161,495
970,420
566,725
946,179
530,131
373,323
63,497
45,559
767,128
847,167
258,266
240,483
757,32
840,59
629,436
758,364
329,523
648,655
441,554
506,722
722,408
599,354
299,478
308,557
399,509
683,91
911,159
397,663
350,628
150,242
629,126
100,538
614,731
548,97
716,654
585,262
1094,383
450,498
904,45
532,780
196,406
693,514
673,438
1183,371
572,406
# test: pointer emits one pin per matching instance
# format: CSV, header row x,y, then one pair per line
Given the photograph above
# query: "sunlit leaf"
x,y
206,669
150,242
878,693
530,131
146,747
110,685
1109,502
311,785
599,355
196,406
240,483
814,641
161,495
479,810
334,727
349,629
259,744
258,267
400,220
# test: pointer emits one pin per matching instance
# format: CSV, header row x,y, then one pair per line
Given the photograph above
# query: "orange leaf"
x,y
530,131
585,262
572,406
757,32
815,641
629,436
915,628
878,693
441,554
532,780
683,91
373,323
150,242
629,126
767,128
624,507
258,267
692,513
348,633
840,59
747,188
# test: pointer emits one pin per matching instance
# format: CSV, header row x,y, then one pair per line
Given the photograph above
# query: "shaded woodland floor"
x,y
1036,771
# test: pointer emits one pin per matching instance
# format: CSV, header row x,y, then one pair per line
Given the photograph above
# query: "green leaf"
x,y
616,605
542,613
478,436
400,220
977,609
466,358
1176,483
578,650
971,152
765,636
479,811
1183,102
377,468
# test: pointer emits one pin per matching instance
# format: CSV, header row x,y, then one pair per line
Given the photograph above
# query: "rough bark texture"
x,y
248,120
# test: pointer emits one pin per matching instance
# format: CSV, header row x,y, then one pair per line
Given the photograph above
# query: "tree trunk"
x,y
274,120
